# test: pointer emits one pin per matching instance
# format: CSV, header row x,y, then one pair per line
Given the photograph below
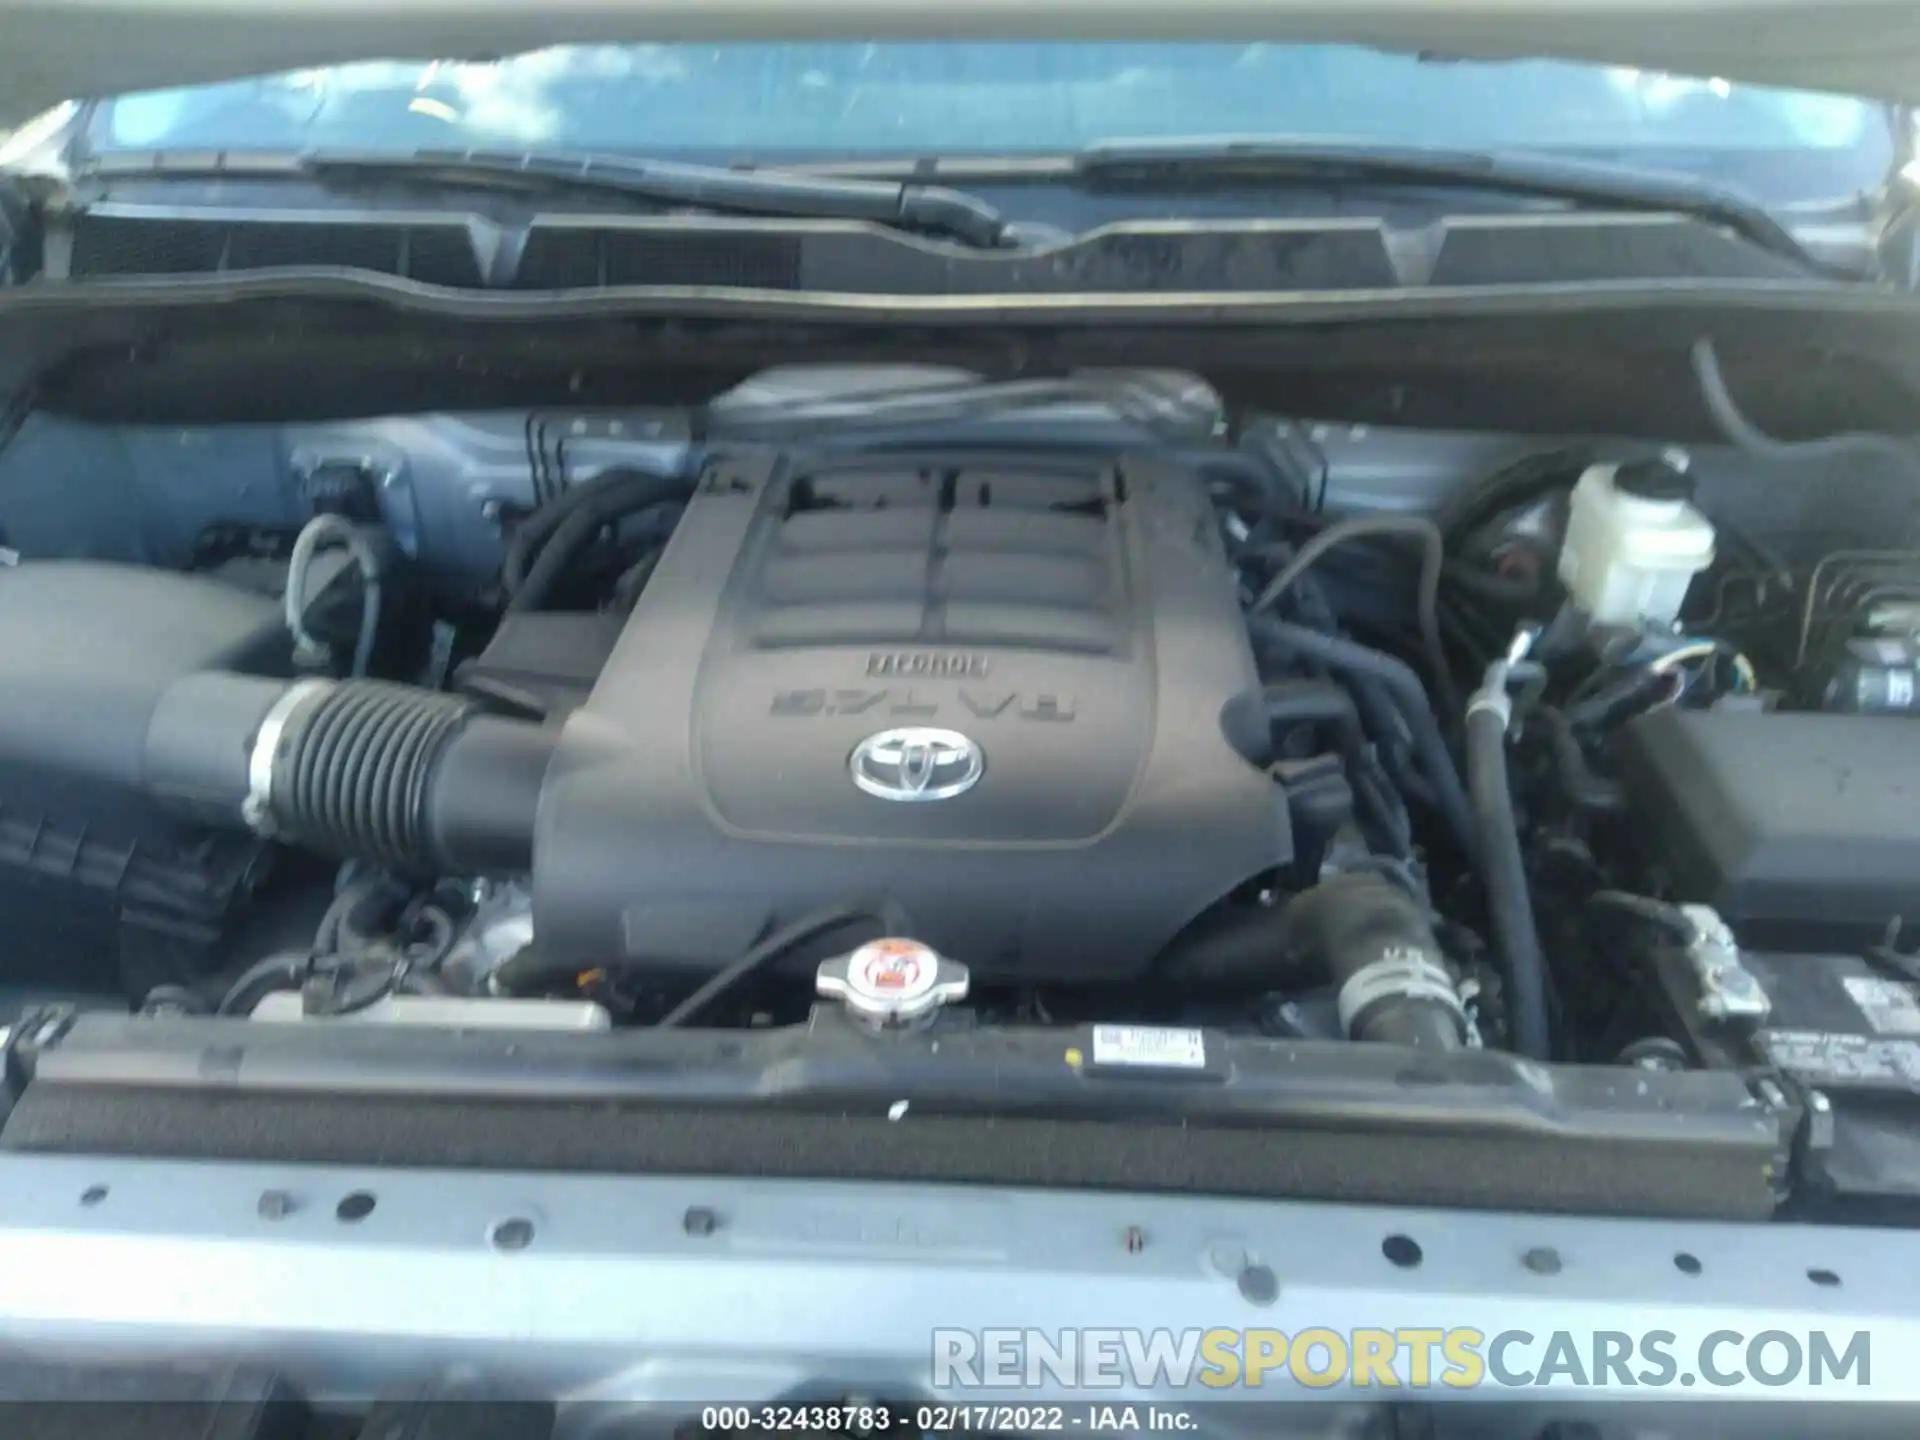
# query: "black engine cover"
x,y
1069,623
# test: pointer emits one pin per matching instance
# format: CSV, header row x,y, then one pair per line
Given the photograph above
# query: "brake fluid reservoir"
x,y
1634,543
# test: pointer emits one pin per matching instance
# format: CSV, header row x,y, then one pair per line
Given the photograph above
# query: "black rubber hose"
x,y
1352,928
354,770
1586,790
1236,949
583,521
1379,716
398,776
1374,796
1375,944
887,915
1409,697
277,972
1516,940
537,528
1670,918
1525,481
1632,692
1371,527
339,930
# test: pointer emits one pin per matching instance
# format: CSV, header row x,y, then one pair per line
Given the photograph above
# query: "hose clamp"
x,y
1403,972
257,809
1494,702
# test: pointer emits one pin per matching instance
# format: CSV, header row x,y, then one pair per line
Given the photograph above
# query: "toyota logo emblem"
x,y
916,764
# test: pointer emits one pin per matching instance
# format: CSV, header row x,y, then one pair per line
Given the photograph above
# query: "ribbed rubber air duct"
x,y
390,774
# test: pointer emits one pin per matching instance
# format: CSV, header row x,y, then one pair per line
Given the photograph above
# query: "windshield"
x,y
780,101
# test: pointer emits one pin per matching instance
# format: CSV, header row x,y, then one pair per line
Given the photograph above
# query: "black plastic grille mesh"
x,y
115,245
558,258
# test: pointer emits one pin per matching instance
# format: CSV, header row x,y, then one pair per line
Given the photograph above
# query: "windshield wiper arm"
x,y
928,209
1213,164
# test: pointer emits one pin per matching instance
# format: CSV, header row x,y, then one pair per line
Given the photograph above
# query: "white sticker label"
x,y
1850,1061
1900,688
1149,1045
1890,1006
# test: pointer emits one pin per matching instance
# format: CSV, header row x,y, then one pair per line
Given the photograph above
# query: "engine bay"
x,y
946,717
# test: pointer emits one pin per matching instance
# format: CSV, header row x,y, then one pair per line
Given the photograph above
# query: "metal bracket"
x,y
1728,990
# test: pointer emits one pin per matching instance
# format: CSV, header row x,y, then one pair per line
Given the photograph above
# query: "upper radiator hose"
x,y
1364,935
390,774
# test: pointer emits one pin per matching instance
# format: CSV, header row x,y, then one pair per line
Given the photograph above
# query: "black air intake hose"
x,y
390,774
1360,933
352,774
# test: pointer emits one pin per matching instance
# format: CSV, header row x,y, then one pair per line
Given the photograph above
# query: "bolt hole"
x,y
1401,1250
353,1208
1687,1264
93,1194
1542,1260
514,1234
1823,1277
1259,1284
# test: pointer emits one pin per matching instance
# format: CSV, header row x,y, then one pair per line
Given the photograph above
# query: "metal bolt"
x,y
699,1220
1819,1102
514,1234
1542,1260
276,1205
1135,1240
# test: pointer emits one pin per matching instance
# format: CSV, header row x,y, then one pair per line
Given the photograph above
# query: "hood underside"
x,y
58,50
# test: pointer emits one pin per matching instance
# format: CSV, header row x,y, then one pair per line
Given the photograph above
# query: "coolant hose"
x,y
390,774
1378,949
1516,939
1366,936
1235,949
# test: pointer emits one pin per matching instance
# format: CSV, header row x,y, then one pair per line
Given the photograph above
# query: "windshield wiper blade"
x,y
932,210
1214,164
